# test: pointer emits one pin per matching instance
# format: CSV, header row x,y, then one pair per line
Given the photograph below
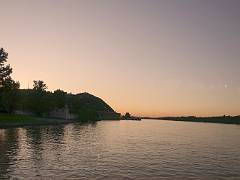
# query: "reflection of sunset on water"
x,y
147,148
2,135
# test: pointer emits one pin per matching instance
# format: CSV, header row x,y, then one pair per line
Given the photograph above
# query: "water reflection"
x,y
120,149
8,150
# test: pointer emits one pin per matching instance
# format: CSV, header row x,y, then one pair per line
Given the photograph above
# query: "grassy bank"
x,y
15,118
217,119
24,120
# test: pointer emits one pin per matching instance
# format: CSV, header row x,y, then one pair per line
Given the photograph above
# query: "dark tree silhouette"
x,y
9,95
8,87
127,115
59,98
5,70
40,102
39,85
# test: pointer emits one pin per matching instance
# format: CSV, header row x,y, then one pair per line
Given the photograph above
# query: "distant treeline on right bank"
x,y
216,119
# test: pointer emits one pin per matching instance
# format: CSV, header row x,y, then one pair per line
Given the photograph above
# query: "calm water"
x,y
121,150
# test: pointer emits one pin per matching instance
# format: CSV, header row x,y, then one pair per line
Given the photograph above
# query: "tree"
x,y
8,87
5,70
59,99
127,115
39,85
40,100
9,95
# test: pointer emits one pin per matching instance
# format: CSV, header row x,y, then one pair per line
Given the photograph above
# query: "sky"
x,y
146,57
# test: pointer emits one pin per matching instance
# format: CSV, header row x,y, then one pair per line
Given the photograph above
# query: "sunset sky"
x,y
148,57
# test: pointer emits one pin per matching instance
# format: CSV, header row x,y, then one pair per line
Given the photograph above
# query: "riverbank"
x,y
217,119
7,121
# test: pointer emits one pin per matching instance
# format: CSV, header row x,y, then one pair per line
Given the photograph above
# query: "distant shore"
x,y
216,119
8,121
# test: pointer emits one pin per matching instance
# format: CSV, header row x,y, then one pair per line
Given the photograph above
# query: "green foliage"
x,y
11,120
218,119
16,118
42,103
59,99
87,115
8,87
36,100
86,106
9,95
5,70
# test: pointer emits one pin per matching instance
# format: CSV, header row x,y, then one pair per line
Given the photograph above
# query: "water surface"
x,y
121,150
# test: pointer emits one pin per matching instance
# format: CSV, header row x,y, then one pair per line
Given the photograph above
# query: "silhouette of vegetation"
x,y
41,103
217,119
40,99
8,87
86,106
39,86
59,98
128,116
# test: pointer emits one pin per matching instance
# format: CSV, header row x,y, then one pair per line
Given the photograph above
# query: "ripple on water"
x,y
121,150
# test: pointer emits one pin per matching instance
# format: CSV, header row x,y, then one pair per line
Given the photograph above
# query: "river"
x,y
146,149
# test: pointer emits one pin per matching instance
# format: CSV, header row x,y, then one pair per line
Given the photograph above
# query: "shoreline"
x,y
44,123
235,120
13,121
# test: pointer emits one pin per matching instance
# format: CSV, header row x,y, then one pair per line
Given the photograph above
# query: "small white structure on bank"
x,y
62,113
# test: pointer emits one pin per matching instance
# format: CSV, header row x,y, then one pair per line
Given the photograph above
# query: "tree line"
x,y
8,87
41,102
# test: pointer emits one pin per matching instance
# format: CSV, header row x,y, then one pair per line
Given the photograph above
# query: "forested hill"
x,y
90,101
40,102
43,102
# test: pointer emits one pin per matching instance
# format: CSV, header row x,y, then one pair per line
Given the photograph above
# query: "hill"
x,y
82,106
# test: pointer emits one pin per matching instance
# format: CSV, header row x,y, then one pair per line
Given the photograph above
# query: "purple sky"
x,y
151,57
